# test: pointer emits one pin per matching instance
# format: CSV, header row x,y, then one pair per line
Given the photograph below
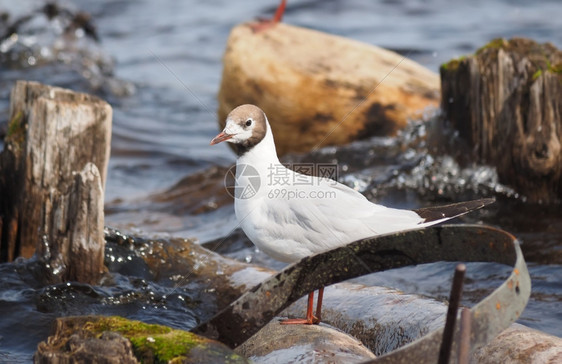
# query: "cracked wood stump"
x,y
52,175
506,102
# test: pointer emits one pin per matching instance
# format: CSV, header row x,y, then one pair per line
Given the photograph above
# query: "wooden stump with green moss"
x,y
100,339
506,102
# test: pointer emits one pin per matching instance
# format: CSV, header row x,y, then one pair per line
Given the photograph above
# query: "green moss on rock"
x,y
155,343
125,327
165,346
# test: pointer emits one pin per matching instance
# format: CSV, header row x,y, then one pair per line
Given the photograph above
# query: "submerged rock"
x,y
197,193
99,339
63,42
308,83
183,261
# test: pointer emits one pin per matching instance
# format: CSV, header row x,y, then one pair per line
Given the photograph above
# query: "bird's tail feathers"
x,y
436,214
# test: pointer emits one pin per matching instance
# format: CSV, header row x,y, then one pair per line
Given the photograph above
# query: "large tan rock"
x,y
319,89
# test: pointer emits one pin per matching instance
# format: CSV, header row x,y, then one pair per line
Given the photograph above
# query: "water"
x,y
159,64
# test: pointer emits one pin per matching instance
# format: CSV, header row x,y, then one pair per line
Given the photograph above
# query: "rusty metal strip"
x,y
488,318
466,243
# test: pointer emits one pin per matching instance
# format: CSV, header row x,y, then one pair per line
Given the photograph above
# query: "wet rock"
x,y
110,348
383,319
521,345
99,339
58,39
311,83
171,210
183,261
197,193
506,102
70,23
277,343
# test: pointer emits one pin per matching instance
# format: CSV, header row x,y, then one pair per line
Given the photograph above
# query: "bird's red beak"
x,y
221,138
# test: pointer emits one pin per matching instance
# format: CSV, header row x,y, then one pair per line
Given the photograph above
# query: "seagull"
x,y
289,215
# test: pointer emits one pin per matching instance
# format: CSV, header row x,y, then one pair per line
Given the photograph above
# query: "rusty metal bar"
x,y
464,341
454,301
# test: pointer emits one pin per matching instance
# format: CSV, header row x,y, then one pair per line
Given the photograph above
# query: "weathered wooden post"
x,y
52,175
506,101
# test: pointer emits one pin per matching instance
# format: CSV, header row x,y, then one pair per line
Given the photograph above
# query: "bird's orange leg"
x,y
279,12
262,25
310,319
319,305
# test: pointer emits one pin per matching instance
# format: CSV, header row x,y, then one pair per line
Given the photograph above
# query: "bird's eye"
x,y
248,122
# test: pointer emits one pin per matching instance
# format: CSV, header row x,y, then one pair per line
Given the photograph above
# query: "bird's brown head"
x,y
246,126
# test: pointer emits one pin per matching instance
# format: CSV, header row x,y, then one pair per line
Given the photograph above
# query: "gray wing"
x,y
331,214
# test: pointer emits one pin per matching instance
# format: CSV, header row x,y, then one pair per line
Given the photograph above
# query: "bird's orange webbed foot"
x,y
263,24
310,318
301,321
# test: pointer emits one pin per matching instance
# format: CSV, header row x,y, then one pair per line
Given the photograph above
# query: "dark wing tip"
x,y
453,210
